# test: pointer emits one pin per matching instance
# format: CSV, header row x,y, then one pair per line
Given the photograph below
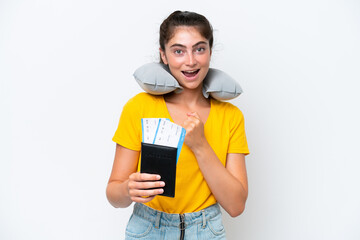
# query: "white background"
x,y
66,71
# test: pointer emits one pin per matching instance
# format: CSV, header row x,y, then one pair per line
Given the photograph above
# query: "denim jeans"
x,y
147,223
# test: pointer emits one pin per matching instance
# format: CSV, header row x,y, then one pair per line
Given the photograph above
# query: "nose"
x,y
191,59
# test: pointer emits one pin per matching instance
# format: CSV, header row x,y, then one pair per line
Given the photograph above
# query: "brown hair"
x,y
184,18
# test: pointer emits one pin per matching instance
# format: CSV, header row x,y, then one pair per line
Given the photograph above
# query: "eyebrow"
x,y
183,46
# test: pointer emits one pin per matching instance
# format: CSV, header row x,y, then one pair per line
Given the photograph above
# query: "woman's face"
x,y
188,55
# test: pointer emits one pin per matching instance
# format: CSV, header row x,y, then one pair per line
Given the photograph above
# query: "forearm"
x,y
227,189
117,194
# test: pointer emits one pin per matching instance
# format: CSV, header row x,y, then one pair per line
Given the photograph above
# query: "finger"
x,y
191,120
144,177
190,126
146,185
149,177
186,122
145,193
194,119
142,199
193,114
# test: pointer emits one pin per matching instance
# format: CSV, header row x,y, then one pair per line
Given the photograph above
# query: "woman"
x,y
211,167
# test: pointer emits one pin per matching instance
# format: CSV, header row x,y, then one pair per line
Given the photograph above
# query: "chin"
x,y
192,86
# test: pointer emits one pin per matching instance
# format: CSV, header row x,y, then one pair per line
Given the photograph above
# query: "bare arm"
x,y
229,183
126,185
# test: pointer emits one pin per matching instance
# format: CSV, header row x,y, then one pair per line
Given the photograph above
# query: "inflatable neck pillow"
x,y
156,79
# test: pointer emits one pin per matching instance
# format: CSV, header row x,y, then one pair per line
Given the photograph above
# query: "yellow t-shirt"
x,y
224,130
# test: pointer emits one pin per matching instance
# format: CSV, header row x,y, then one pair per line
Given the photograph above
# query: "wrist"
x,y
201,149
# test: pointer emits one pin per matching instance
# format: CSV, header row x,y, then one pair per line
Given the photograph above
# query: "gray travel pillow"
x,y
156,79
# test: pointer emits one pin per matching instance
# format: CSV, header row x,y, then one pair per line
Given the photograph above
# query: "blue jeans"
x,y
147,223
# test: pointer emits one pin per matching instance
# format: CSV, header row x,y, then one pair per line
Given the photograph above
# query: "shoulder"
x,y
143,99
142,103
226,107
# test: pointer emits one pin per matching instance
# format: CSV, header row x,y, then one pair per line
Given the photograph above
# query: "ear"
x,y
163,56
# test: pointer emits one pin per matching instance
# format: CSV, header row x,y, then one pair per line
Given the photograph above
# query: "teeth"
x,y
190,71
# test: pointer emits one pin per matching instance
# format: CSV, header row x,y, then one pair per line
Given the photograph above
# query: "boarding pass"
x,y
162,131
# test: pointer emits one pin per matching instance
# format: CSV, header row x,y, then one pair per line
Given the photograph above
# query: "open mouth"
x,y
190,74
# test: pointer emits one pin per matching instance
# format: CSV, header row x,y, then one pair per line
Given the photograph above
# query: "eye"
x,y
200,49
178,51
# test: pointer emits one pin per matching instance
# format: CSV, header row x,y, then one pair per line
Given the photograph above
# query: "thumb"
x,y
193,114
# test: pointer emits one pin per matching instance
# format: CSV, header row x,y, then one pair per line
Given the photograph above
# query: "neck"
x,y
188,97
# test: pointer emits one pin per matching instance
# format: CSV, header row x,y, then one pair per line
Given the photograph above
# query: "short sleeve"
x,y
128,133
237,142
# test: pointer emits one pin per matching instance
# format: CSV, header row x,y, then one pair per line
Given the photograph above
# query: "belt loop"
x,y
157,221
204,219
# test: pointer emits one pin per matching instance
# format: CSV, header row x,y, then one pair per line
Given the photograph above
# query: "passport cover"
x,y
157,159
